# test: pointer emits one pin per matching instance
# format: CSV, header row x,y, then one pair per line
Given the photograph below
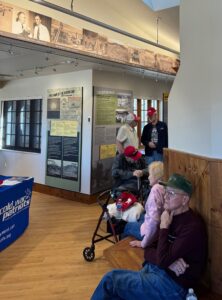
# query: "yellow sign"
x,y
64,128
165,96
107,151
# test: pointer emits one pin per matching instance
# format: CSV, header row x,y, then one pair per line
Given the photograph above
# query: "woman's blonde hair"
x,y
156,169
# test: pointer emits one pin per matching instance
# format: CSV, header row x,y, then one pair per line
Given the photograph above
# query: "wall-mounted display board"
x,y
31,26
111,107
64,114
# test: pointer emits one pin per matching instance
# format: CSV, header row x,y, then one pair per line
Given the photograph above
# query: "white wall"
x,y
195,103
142,87
33,164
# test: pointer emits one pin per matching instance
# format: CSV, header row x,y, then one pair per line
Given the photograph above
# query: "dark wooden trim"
x,y
69,195
139,123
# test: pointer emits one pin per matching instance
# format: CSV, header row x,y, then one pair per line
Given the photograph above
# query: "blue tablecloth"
x,y
14,210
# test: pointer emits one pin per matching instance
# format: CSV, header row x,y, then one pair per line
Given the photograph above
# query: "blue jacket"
x,y
162,137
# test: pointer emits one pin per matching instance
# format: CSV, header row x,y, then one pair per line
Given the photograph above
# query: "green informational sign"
x,y
110,107
106,109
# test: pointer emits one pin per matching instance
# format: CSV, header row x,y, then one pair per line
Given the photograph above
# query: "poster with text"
x,y
64,137
110,109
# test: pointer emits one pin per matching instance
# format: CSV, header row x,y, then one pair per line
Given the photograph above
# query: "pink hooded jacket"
x,y
154,208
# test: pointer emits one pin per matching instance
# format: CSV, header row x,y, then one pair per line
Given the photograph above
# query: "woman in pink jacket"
x,y
146,229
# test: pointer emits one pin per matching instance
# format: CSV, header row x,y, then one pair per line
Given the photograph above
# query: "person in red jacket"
x,y
174,263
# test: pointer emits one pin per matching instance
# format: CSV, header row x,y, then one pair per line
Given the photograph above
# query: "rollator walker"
x,y
114,226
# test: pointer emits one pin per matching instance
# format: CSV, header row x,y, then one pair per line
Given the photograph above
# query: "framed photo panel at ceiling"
x,y
30,26
64,114
111,107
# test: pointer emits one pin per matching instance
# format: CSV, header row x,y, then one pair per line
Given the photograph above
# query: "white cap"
x,y
191,291
131,117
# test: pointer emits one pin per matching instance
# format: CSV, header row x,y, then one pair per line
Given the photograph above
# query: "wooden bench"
x,y
122,256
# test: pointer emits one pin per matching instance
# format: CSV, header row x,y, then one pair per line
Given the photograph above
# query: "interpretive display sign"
x,y
111,107
63,128
64,138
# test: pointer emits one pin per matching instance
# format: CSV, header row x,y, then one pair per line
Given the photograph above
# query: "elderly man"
x,y
127,134
154,137
171,266
127,167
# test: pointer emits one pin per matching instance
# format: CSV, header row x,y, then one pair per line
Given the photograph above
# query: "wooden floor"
x,y
47,262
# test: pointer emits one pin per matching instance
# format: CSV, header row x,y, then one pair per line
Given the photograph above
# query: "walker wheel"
x,y
89,254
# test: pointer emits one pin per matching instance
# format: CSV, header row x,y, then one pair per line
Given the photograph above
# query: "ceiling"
x,y
20,59
161,4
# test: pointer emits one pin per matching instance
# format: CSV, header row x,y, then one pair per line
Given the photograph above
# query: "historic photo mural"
x,y
29,25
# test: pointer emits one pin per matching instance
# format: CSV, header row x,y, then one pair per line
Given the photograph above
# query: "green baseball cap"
x,y
178,181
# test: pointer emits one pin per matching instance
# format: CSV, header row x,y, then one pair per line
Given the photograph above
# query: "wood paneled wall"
x,y
206,176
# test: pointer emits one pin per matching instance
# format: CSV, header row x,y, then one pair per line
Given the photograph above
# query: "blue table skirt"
x,y
15,201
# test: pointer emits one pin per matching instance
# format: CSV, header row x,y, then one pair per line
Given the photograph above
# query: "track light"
x,y
143,74
10,51
157,77
76,63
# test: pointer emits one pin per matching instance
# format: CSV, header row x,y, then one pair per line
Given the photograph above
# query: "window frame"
x,y
22,121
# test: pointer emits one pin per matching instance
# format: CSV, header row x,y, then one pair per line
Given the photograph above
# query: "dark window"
x,y
22,120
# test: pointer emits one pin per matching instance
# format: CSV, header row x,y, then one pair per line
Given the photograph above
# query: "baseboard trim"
x,y
69,195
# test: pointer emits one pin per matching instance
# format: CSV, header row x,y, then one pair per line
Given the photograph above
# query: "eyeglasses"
x,y
173,193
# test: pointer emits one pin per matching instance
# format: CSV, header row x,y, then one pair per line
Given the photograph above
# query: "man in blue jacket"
x,y
154,137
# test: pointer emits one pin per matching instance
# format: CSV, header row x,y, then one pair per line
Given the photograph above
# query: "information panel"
x,y
64,112
111,107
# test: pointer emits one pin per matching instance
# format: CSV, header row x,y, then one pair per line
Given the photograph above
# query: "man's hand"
x,y
152,145
138,173
135,244
179,266
166,219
